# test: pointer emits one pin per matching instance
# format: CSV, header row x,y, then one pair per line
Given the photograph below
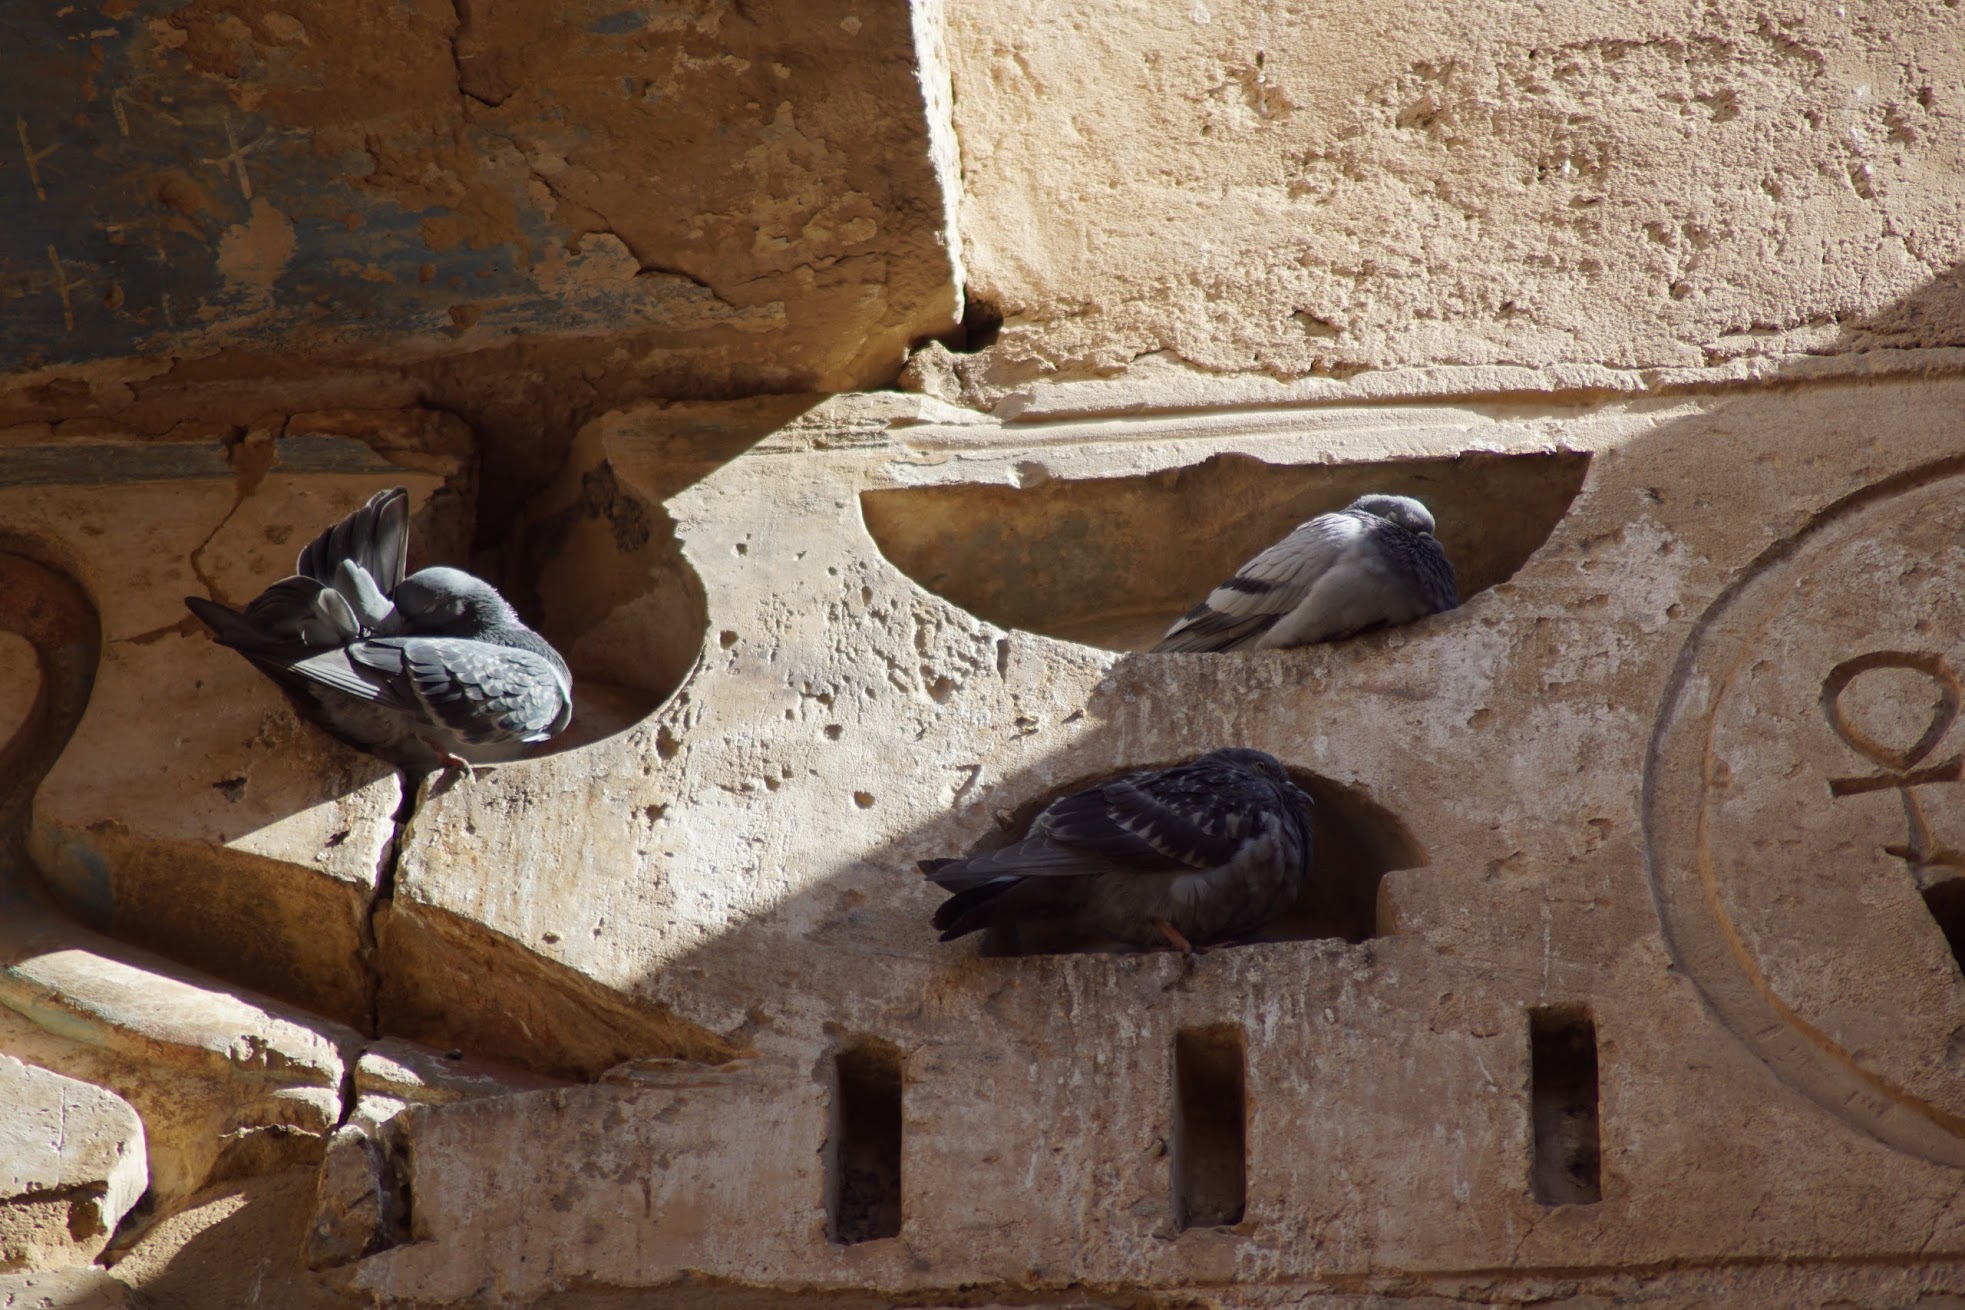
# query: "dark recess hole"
x,y
1210,1148
982,323
1946,902
863,1169
1357,843
1568,1162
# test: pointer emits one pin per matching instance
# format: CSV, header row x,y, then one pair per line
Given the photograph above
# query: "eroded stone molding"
x,y
718,900
842,721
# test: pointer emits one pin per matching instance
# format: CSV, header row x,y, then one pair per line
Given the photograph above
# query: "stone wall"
x,y
1631,969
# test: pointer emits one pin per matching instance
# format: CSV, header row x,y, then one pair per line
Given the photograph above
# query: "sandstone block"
x,y
1320,194
71,1165
761,196
282,830
358,1206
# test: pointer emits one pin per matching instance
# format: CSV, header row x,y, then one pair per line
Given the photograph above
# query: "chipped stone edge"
x,y
935,75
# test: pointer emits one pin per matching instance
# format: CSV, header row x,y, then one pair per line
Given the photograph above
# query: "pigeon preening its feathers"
x,y
431,670
373,541
1199,853
1372,564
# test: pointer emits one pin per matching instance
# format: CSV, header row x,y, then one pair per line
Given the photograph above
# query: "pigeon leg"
x,y
455,762
1186,948
1178,938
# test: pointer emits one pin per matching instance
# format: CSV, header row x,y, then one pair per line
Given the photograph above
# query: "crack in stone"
x,y
250,461
383,895
644,266
350,1061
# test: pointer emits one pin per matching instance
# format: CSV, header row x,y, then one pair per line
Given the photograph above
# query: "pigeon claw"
x,y
455,763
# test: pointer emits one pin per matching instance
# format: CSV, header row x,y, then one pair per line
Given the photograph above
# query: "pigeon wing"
x,y
1172,820
1179,820
293,612
376,537
485,692
1193,818
1240,610
372,671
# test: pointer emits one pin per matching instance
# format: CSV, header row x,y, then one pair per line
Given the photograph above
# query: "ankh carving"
x,y
1929,862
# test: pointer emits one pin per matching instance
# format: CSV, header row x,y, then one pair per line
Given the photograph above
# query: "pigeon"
x,y
363,556
1197,854
1372,564
426,671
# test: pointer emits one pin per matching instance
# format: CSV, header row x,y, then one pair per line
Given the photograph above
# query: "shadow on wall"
x,y
1931,318
615,579
601,568
870,916
877,909
611,562
1112,562
1356,843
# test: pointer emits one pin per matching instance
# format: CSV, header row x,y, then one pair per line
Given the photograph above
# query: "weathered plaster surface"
x,y
1294,190
436,178
847,722
1658,307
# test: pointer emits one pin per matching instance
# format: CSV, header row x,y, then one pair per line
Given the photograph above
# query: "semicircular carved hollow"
x,y
1355,842
1111,562
603,566
616,598
45,686
1804,834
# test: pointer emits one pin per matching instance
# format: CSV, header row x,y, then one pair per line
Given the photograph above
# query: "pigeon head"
x,y
1257,762
1402,510
452,603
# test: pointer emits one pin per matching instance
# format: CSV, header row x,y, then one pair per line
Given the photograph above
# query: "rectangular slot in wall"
x,y
1210,1147
863,1157
1567,1167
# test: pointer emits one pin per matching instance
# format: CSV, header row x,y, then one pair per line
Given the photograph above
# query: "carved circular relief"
x,y
1805,814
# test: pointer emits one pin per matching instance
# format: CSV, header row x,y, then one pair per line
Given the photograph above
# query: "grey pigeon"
x,y
1372,564
433,670
1195,854
364,554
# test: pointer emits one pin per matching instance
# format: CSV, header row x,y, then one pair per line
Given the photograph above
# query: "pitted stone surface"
x,y
1660,305
70,1150
832,741
123,819
1247,189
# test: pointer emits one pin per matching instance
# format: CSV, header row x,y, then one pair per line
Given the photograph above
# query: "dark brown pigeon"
x,y
1192,855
